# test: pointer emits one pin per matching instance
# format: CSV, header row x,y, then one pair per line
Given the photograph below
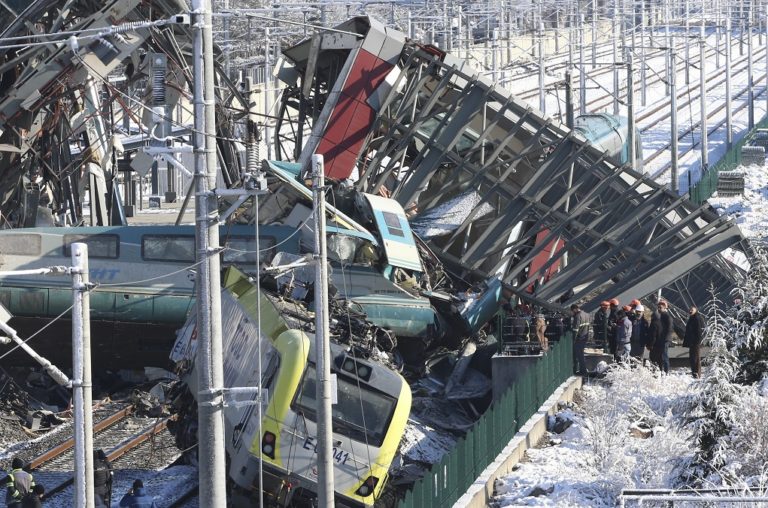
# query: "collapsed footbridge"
x,y
493,185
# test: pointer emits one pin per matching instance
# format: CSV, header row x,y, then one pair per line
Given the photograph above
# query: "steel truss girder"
x,y
624,235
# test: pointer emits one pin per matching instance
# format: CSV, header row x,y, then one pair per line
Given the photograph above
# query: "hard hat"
x,y
613,301
635,302
604,303
639,308
626,308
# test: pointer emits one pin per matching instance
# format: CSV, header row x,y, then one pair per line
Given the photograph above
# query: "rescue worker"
x,y
540,327
613,315
137,498
663,335
19,483
102,478
600,325
581,329
694,332
623,335
640,328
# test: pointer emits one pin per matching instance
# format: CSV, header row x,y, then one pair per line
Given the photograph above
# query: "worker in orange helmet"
x,y
600,325
634,303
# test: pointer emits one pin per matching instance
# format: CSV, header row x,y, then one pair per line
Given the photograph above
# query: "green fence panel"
x,y
447,481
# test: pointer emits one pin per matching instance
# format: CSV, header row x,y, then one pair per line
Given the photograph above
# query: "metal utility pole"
x,y
718,34
569,116
495,56
703,100
668,38
687,44
211,461
615,54
594,33
766,61
542,97
674,152
750,78
325,486
268,91
632,156
81,384
582,70
643,94
728,109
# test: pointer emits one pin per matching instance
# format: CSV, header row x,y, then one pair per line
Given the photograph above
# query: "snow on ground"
x,y
749,211
603,452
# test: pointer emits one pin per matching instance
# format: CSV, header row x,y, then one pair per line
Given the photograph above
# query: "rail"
x,y
705,497
446,481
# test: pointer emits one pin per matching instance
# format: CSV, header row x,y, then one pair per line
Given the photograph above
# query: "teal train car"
x,y
610,132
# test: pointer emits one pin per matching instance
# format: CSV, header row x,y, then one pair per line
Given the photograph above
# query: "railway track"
x,y
119,434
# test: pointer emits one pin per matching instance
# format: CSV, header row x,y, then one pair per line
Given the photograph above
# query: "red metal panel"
x,y
541,259
352,117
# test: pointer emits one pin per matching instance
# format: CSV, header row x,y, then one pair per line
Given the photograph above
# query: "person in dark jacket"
x,y
640,329
581,328
600,325
102,478
694,332
662,337
18,484
613,316
137,498
35,498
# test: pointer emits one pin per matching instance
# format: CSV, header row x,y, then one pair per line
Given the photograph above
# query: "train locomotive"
x,y
279,433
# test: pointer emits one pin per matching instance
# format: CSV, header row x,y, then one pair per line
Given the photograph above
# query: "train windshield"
x,y
361,412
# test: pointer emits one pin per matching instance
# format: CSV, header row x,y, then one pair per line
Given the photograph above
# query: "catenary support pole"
x,y
322,345
569,117
766,61
674,152
687,40
594,33
211,463
81,383
668,40
542,96
703,99
632,156
750,74
615,55
582,70
728,108
643,94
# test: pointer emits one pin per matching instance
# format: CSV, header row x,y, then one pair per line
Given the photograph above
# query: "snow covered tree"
x,y
712,408
749,330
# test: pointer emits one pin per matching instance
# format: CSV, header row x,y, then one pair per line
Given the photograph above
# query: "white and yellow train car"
x,y
372,405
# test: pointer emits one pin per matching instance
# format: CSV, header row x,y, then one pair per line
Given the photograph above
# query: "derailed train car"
x,y
279,433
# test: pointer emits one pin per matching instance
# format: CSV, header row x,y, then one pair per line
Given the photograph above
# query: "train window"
x,y
346,249
243,250
393,224
21,245
99,246
168,248
360,413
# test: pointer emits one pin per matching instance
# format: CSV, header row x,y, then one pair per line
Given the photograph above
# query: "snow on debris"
x,y
625,434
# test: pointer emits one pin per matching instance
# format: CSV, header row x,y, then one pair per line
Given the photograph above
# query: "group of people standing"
x,y
22,492
627,331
